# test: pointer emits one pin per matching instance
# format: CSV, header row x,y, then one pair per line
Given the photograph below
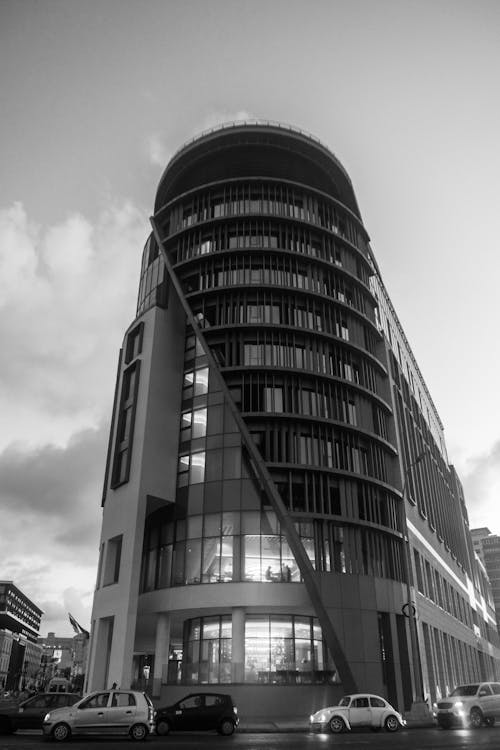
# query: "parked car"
x,y
199,711
360,710
103,713
29,714
472,705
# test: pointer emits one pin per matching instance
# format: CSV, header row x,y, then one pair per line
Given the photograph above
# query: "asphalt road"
x,y
411,739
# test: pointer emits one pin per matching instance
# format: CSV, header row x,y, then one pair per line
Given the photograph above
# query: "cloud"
x,y
67,294
51,520
481,480
157,150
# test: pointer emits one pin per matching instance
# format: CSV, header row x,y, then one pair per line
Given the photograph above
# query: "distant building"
x,y
20,654
277,490
63,657
487,547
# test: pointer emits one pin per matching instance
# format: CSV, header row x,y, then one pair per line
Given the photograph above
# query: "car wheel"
x,y
391,723
476,718
226,727
162,727
61,732
490,721
139,732
337,724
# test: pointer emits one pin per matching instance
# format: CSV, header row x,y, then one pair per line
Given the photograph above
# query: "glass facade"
x,y
250,546
280,649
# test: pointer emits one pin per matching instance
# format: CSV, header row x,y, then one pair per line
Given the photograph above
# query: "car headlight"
x,y
459,704
47,717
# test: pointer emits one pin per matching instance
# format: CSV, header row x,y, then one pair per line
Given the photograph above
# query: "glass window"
x,y
251,558
194,527
208,650
232,463
199,423
226,558
201,382
197,468
164,566
193,561
275,653
211,560
212,525
250,522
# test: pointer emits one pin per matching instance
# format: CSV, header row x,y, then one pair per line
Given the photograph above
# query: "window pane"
x,y
193,560
194,527
211,560
201,382
197,472
199,423
281,627
164,566
251,558
212,524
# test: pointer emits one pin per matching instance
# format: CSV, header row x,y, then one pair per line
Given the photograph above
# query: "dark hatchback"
x,y
198,711
30,713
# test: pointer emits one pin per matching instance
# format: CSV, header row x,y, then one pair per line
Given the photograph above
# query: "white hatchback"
x,y
360,710
106,712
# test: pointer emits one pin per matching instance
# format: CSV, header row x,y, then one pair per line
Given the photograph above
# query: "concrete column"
x,y
162,645
238,645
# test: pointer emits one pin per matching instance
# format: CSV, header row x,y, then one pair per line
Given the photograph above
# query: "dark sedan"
x,y
30,713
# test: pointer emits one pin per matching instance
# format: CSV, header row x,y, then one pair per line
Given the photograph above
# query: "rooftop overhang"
x,y
255,149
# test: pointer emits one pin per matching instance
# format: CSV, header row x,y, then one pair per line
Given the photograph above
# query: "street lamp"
x,y
418,708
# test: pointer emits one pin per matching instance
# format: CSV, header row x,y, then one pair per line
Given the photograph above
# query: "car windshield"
x,y
464,690
345,700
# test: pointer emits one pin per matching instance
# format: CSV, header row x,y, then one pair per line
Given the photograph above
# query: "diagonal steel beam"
x,y
301,557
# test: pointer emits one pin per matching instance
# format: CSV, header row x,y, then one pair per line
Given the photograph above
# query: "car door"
x,y
486,699
360,714
121,713
378,708
189,713
215,706
32,711
90,716
495,687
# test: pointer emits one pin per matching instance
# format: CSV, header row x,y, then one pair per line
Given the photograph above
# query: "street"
x,y
413,739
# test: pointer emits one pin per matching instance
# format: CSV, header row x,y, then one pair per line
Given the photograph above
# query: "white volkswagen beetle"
x,y
360,710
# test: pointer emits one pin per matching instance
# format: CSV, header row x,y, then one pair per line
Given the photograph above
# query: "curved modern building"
x,y
277,487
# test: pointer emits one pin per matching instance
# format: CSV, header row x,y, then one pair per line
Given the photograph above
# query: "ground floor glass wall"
x,y
279,649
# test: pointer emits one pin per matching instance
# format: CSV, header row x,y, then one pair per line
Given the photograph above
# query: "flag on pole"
x,y
76,626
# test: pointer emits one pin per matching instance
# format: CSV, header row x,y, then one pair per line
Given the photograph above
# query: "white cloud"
x,y
158,152
481,480
67,294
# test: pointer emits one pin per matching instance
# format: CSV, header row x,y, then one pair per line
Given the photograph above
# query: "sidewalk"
x,y
264,724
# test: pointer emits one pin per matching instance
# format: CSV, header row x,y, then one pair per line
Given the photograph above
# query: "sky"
x,y
96,96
